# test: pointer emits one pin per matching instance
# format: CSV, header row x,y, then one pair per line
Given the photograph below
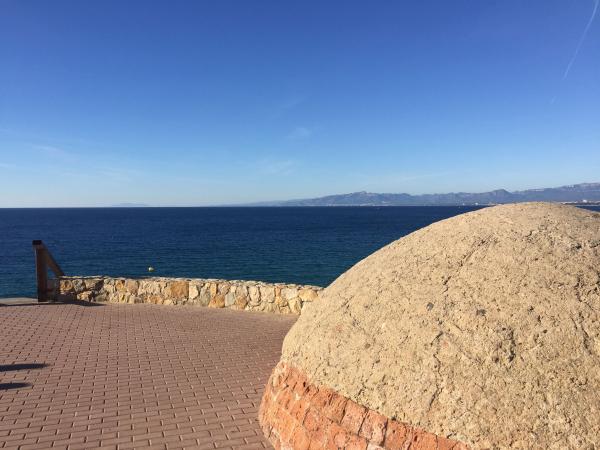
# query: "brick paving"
x,y
134,376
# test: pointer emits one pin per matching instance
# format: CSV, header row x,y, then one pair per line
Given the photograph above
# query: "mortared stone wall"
x,y
241,295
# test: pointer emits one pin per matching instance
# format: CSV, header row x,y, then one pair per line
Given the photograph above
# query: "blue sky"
x,y
198,102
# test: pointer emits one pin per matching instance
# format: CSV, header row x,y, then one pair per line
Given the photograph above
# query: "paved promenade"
x,y
134,376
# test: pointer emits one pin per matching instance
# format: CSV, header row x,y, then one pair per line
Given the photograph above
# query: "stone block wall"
x,y
295,414
241,295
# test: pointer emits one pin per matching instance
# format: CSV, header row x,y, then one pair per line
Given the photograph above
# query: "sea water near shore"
x,y
304,245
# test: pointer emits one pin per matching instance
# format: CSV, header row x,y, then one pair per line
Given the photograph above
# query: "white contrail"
x,y
583,35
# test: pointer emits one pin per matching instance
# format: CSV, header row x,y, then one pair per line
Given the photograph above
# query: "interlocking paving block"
x,y
134,376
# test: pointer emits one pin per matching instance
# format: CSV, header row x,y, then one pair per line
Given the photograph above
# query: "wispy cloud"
x,y
118,174
397,181
287,105
54,152
99,175
582,39
277,167
292,101
299,133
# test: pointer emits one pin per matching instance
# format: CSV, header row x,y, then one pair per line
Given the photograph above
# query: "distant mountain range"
x,y
576,193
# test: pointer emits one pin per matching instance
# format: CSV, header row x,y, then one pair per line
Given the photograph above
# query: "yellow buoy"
x,y
150,269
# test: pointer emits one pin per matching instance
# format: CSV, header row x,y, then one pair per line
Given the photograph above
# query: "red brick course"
x,y
295,414
134,376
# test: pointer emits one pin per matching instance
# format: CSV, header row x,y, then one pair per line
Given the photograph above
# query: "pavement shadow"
x,y
13,367
65,302
30,366
80,303
7,386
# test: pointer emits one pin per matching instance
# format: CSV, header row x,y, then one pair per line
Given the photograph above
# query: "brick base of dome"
x,y
295,414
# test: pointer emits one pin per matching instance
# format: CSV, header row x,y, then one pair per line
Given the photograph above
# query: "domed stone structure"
x,y
480,331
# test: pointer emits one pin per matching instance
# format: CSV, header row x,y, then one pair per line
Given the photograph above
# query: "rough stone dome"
x,y
483,328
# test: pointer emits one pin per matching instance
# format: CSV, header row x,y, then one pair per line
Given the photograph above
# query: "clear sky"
x,y
210,102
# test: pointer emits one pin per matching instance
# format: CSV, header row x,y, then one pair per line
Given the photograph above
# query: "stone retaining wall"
x,y
242,295
295,414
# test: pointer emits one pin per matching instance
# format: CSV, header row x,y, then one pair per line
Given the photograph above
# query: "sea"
x,y
304,245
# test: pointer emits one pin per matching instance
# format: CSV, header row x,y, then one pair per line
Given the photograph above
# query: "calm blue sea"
x,y
298,245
